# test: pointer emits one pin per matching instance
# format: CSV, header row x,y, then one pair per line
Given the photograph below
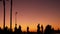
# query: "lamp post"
x,y
16,19
4,13
11,16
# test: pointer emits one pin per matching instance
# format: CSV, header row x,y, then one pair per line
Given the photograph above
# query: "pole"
x,y
11,16
4,13
16,19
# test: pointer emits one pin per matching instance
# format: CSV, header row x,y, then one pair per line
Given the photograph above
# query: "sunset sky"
x,y
32,12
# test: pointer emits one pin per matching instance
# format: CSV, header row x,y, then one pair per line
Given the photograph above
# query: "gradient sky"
x,y
32,12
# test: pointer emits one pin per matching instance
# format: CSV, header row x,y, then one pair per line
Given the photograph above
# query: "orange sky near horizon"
x,y
31,13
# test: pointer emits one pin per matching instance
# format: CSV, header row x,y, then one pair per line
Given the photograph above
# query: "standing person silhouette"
x,y
27,30
38,29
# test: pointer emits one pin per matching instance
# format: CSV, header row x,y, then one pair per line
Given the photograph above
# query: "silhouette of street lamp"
x,y
16,19
11,16
4,13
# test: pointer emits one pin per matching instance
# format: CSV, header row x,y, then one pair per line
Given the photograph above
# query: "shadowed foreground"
x,y
48,30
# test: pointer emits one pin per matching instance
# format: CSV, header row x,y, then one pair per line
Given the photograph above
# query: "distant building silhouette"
x,y
38,29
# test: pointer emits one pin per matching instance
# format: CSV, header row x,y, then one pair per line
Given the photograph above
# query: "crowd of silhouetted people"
x,y
40,30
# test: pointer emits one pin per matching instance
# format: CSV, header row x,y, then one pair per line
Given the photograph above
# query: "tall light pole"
x,y
4,13
16,19
11,16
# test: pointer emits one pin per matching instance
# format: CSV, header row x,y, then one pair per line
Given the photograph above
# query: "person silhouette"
x,y
0,30
19,30
42,28
38,29
48,29
27,30
15,30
